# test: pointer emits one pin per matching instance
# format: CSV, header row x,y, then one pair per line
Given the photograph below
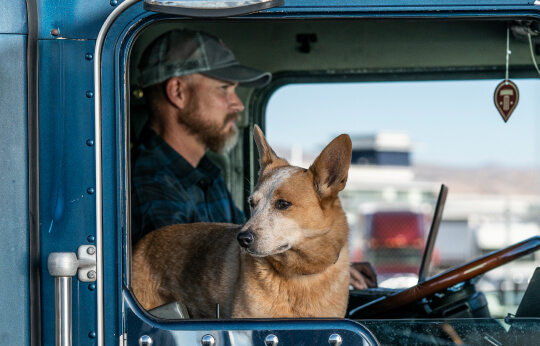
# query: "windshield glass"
x,y
408,139
454,332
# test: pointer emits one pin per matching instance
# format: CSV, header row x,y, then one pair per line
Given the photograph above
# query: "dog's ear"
x,y
267,157
331,167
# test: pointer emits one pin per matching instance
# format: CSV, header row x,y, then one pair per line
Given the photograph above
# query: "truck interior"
x,y
315,55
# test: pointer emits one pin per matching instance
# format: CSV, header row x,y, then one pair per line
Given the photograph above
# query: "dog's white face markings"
x,y
274,233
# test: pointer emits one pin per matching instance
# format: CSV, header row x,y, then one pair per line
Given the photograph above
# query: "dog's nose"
x,y
245,239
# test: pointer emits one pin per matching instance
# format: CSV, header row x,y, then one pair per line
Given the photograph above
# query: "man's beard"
x,y
210,134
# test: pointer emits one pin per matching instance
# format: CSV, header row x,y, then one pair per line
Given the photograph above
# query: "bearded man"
x,y
189,82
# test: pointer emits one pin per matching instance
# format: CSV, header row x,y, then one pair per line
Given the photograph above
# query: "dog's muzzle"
x,y
246,239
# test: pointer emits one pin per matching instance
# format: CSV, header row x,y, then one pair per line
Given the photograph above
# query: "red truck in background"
x,y
394,242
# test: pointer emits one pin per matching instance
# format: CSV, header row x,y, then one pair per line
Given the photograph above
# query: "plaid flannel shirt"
x,y
166,189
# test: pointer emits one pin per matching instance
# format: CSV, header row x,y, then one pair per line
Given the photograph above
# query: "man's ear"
x,y
177,92
267,157
331,167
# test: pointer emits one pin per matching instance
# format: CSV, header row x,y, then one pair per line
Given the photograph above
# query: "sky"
x,y
453,123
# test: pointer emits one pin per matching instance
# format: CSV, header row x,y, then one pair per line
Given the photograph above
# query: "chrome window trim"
x,y
210,9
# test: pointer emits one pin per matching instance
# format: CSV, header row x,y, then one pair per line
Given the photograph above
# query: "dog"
x,y
290,259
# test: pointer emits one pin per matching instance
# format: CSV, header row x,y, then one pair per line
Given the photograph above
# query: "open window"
x,y
417,99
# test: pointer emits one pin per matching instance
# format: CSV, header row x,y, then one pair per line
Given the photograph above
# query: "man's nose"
x,y
236,104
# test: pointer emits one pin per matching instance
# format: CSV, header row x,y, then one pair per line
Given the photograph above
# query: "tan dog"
x,y
290,259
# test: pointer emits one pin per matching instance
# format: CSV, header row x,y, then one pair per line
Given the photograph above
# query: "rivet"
x,y
335,340
271,340
114,2
55,32
91,250
145,340
89,56
90,142
92,335
91,238
89,94
90,190
92,287
91,275
208,340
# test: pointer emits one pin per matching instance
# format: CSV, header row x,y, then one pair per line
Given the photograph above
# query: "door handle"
x,y
63,266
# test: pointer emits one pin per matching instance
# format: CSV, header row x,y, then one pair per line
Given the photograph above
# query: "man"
x,y
189,82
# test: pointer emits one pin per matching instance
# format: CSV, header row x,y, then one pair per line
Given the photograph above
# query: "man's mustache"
x,y
230,117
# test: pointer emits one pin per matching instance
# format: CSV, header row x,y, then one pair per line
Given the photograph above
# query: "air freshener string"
x,y
508,52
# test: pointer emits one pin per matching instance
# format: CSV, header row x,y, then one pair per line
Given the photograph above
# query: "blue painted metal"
x,y
14,285
74,19
66,15
307,4
404,8
13,19
243,332
67,210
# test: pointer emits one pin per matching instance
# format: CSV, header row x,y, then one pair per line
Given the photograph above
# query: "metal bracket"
x,y
87,263
66,264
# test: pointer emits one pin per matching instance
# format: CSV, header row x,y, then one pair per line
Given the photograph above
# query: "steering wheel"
x,y
446,279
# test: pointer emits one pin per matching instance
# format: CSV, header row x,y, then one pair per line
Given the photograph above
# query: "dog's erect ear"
x,y
331,167
267,157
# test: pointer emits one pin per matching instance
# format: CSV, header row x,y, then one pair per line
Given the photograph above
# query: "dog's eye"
x,y
251,203
282,205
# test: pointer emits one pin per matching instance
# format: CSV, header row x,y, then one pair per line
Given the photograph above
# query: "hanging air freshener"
x,y
506,98
506,95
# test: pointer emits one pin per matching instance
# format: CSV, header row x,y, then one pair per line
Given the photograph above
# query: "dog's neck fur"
x,y
300,261
280,278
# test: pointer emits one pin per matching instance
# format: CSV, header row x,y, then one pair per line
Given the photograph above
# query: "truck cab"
x,y
71,107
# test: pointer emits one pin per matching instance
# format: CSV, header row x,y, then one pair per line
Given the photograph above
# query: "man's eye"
x,y
282,205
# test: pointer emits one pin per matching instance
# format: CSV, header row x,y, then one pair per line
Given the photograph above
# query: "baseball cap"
x,y
182,52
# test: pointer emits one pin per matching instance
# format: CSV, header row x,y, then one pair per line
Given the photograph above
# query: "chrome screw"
x,y
271,340
91,250
91,275
208,340
145,340
335,340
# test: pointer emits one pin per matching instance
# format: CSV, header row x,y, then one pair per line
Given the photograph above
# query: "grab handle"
x,y
63,266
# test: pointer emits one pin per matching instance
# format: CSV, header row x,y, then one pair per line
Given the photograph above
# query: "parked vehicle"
x,y
70,107
396,241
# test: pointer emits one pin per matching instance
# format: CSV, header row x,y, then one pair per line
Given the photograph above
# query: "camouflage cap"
x,y
182,52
